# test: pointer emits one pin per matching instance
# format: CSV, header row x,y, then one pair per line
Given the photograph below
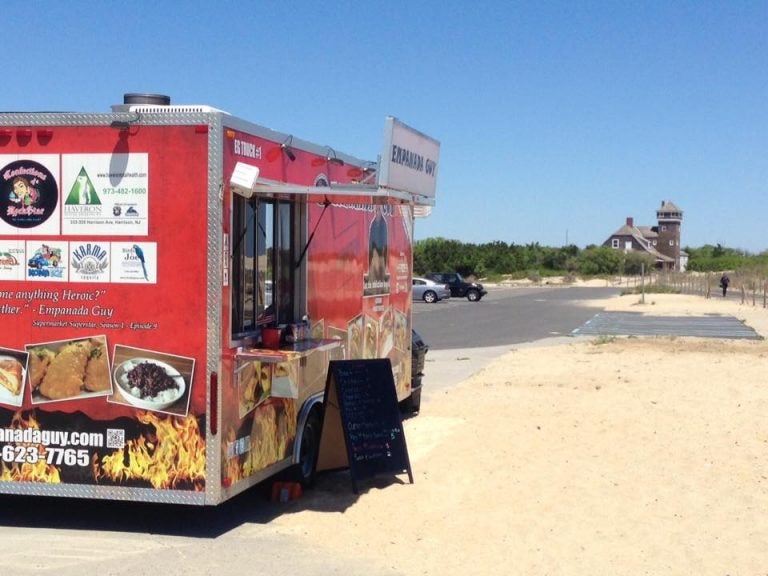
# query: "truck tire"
x,y
305,470
473,295
430,297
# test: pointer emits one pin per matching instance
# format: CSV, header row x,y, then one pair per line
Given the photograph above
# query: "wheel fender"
x,y
313,403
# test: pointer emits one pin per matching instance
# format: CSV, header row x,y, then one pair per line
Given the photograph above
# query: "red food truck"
x,y
174,282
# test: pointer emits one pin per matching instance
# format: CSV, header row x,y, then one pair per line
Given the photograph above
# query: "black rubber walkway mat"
x,y
637,324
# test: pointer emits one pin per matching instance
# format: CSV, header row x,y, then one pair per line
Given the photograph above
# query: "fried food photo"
x,y
265,381
248,381
69,369
253,382
371,338
39,359
97,377
11,372
355,339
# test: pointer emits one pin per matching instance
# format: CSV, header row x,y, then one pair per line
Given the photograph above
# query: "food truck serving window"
x,y
262,269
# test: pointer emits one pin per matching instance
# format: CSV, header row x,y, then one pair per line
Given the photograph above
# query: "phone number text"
x,y
33,454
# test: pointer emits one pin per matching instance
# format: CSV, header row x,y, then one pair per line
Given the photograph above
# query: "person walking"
x,y
724,281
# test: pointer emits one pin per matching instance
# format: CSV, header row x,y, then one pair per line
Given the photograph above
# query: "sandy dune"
x,y
598,456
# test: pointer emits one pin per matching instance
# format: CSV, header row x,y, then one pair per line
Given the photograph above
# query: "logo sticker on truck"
x,y
28,194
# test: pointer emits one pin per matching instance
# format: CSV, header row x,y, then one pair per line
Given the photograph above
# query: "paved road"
x,y
64,537
464,337
506,316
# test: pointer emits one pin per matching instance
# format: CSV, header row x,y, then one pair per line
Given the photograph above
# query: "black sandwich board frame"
x,y
361,405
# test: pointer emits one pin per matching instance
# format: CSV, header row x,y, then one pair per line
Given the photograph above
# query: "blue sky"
x,y
557,119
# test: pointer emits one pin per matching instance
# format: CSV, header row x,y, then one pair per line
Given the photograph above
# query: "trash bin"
x,y
419,350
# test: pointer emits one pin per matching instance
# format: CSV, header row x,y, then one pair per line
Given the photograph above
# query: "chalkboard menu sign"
x,y
361,406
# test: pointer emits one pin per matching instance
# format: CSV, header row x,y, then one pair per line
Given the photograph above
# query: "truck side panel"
x,y
359,282
358,263
103,282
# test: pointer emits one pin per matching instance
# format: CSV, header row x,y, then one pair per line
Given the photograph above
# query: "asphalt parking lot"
x,y
464,337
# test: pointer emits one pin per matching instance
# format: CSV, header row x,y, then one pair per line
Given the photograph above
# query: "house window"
x,y
654,242
615,243
663,227
628,245
671,242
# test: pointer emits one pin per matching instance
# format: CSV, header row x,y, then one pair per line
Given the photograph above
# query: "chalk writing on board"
x,y
369,417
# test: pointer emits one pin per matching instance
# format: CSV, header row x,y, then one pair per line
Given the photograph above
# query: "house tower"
x,y
670,217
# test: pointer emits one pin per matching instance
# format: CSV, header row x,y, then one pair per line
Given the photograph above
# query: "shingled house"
x,y
662,241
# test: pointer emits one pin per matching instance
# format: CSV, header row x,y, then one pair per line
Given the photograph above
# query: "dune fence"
x,y
750,287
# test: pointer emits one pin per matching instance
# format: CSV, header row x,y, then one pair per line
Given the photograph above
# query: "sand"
x,y
597,456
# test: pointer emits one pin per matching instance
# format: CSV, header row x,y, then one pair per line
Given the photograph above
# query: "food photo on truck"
x,y
174,283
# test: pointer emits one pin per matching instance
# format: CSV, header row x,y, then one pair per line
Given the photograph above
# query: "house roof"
x,y
642,234
628,230
668,206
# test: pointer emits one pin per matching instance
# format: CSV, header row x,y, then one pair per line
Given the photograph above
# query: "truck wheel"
x,y
308,450
429,297
473,296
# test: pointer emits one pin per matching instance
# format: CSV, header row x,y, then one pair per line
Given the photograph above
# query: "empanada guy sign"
x,y
409,161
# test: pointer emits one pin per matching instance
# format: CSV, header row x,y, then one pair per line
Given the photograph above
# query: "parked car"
x,y
419,350
459,287
429,291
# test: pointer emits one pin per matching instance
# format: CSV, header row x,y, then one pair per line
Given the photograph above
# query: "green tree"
x,y
599,260
710,258
636,262
495,257
441,254
434,254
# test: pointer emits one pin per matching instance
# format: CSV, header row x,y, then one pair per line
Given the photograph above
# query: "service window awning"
x,y
340,193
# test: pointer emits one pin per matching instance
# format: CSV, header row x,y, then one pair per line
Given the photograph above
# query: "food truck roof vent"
x,y
156,99
155,103
134,100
